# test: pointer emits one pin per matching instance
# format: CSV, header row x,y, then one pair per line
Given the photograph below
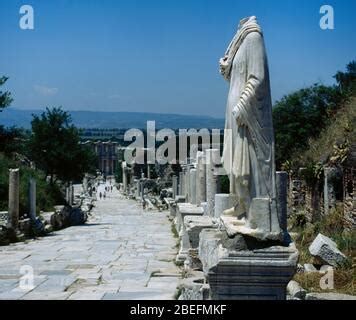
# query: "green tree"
x,y
13,140
55,147
302,115
5,97
347,80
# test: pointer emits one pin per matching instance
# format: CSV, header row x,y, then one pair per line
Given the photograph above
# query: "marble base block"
x,y
194,288
258,274
183,210
223,202
260,224
194,225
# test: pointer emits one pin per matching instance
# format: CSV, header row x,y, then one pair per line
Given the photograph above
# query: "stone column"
x,y
212,159
142,192
14,197
329,192
201,178
181,184
282,198
85,184
137,195
67,195
187,183
33,165
148,171
71,194
175,186
125,179
32,198
124,176
192,186
223,202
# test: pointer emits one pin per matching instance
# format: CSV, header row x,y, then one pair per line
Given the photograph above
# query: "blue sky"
x,y
161,55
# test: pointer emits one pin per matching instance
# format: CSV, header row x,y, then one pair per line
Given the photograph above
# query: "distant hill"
x,y
120,120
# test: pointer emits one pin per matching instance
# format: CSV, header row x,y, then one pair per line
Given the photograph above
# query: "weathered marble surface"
x,y
329,296
326,250
14,198
223,202
248,155
201,178
184,210
260,274
212,179
194,225
195,287
187,209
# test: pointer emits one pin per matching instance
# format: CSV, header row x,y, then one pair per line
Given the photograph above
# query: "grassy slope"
x,y
340,132
331,226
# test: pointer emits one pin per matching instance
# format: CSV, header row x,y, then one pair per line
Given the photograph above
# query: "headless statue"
x,y
248,155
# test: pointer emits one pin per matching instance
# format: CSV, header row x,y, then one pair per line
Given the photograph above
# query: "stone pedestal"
x,y
124,176
183,210
175,186
201,178
172,209
148,171
233,274
212,159
194,288
85,184
204,205
181,184
142,189
187,183
182,181
192,186
32,198
14,198
193,225
71,194
67,195
223,202
137,189
174,206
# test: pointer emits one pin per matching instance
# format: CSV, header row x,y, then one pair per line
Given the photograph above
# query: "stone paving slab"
x,y
139,295
121,253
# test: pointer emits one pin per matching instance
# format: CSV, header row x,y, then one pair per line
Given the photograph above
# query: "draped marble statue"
x,y
248,155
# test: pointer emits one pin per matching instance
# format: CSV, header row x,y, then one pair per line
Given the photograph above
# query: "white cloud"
x,y
45,91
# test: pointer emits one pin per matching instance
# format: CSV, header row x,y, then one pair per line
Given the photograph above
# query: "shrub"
x,y
47,195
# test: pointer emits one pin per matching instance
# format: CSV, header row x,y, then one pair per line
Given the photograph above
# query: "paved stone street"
x,y
120,253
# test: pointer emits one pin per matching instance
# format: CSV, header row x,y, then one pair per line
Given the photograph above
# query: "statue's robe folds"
x,y
248,155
